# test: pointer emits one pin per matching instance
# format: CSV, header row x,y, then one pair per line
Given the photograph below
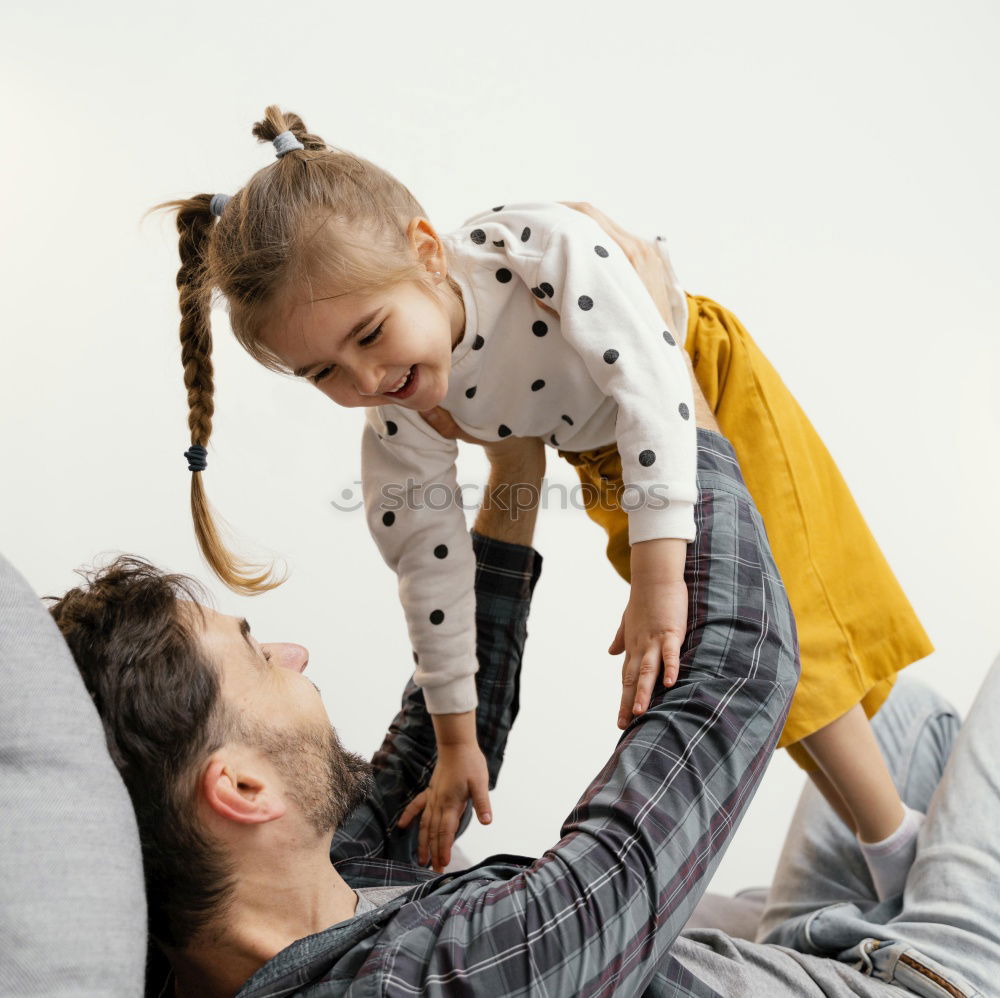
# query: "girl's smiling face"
x,y
386,347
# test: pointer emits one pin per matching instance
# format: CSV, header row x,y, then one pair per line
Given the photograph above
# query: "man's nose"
x,y
289,655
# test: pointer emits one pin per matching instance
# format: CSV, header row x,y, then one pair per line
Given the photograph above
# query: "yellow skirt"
x,y
856,627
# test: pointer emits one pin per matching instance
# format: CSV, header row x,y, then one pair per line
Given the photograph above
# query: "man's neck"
x,y
271,909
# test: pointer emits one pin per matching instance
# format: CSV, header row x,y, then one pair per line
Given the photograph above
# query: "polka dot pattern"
x,y
534,380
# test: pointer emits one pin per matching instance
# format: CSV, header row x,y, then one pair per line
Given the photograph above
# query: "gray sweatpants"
x,y
820,929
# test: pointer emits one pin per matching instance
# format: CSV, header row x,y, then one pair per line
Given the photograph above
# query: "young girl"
x,y
529,321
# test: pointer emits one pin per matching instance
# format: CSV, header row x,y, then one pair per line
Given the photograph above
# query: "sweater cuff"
x,y
677,520
457,696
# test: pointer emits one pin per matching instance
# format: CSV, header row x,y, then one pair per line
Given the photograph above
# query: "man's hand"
x,y
641,254
650,267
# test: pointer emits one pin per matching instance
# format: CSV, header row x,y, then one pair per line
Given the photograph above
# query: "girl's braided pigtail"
x,y
194,223
315,217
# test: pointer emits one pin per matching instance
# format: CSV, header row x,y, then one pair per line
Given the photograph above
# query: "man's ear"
x,y
240,797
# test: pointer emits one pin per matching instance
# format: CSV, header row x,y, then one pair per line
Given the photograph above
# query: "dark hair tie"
x,y
197,457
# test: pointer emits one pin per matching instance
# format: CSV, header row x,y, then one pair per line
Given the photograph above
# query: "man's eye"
x,y
372,336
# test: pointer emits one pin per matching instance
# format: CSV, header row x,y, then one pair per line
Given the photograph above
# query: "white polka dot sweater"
x,y
606,368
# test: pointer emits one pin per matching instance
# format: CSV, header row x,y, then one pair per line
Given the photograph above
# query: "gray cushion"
x,y
72,900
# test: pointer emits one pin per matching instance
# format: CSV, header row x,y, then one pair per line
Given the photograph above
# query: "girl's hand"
x,y
460,773
654,623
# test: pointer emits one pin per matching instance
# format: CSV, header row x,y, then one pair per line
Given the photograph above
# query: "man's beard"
x,y
322,779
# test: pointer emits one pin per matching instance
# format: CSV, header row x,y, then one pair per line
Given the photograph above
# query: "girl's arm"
x,y
462,771
656,560
575,269
642,365
414,513
507,569
413,507
654,622
607,314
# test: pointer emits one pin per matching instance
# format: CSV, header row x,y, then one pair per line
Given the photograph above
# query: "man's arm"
x,y
507,569
510,505
598,912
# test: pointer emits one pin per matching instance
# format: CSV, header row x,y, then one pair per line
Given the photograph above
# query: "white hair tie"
x,y
286,142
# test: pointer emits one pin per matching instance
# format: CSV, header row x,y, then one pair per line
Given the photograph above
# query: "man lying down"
x,y
274,864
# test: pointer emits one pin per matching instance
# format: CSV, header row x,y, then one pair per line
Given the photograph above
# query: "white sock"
x,y
890,859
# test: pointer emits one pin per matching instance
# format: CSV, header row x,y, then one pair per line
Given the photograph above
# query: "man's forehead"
x,y
198,615
212,627
225,641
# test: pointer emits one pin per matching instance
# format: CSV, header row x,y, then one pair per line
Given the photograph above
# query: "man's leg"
x,y
821,863
951,906
950,910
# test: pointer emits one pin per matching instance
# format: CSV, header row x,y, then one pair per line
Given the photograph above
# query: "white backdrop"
x,y
826,171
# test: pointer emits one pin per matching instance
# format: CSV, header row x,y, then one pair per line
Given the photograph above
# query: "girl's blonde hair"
x,y
317,216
